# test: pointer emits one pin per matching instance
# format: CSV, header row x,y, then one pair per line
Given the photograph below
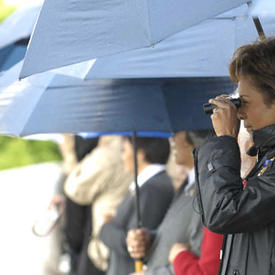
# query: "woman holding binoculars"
x,y
243,209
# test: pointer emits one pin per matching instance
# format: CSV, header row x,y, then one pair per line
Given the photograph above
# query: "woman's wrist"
x,y
233,134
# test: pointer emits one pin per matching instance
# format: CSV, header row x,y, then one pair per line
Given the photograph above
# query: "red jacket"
x,y
186,263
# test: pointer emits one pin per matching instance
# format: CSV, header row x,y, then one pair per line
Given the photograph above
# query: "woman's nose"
x,y
241,114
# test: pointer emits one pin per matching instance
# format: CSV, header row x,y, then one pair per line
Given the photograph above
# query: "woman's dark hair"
x,y
256,61
156,150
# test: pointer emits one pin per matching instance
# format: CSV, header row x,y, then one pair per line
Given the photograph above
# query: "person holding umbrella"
x,y
181,226
156,192
243,209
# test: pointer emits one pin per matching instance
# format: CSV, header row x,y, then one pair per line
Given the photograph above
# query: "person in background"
x,y
187,263
156,193
73,149
181,226
99,183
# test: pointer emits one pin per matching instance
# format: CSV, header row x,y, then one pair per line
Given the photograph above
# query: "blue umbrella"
x,y
263,8
10,76
12,54
19,24
69,105
87,29
14,35
203,50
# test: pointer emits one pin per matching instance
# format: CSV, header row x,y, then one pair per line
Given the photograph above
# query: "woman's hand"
x,y
224,117
176,249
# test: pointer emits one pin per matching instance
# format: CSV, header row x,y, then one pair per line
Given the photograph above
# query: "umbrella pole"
x,y
259,28
258,25
138,262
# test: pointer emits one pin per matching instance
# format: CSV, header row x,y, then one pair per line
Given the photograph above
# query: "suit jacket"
x,y
181,224
155,197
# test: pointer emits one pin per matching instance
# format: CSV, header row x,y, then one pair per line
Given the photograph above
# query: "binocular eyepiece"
x,y
208,107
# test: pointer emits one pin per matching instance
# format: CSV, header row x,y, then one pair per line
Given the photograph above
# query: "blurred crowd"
x,y
99,232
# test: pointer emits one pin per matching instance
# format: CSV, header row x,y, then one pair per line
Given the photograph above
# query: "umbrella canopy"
x,y
14,35
263,8
9,76
203,50
88,29
69,105
12,54
19,25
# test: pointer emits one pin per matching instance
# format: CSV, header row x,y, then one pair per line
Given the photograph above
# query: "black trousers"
x,y
77,228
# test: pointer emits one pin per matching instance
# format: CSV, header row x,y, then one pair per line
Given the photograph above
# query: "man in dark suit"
x,y
181,224
156,193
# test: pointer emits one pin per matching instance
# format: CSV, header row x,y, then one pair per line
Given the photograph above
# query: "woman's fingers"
x,y
223,103
219,103
224,118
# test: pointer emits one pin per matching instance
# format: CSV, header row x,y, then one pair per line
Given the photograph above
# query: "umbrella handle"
x,y
138,265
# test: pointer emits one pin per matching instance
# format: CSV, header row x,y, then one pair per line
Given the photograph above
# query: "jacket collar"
x,y
263,139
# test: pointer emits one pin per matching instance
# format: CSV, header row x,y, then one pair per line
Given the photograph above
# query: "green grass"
x,y
16,152
5,10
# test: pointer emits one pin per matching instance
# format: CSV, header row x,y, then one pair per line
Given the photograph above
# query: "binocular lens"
x,y
208,107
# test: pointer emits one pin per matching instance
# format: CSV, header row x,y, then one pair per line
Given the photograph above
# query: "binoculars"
x,y
208,107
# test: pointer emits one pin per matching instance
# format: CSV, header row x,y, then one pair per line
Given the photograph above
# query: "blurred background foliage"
x,y
5,10
16,152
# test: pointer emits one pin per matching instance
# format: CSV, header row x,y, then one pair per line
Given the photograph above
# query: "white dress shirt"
x,y
147,173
